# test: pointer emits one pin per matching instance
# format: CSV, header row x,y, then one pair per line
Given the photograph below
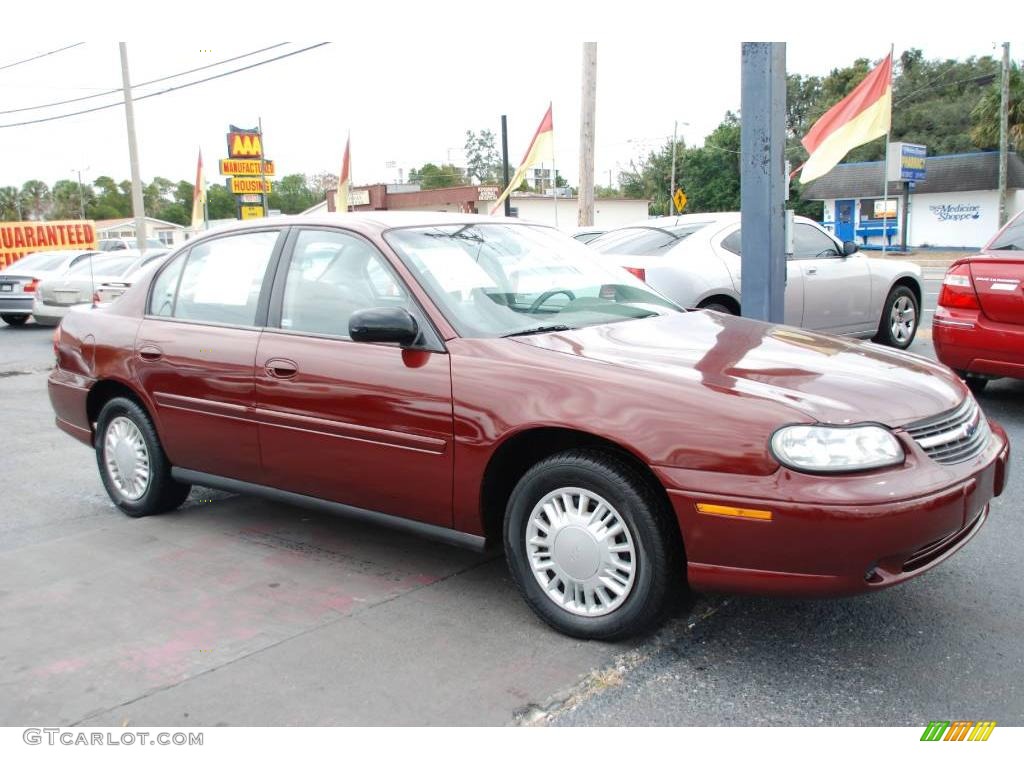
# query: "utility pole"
x,y
1004,115
504,164
763,180
588,109
263,171
672,186
81,191
138,208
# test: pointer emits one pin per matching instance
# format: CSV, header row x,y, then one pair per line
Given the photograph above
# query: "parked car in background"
x,y
488,381
117,244
586,234
831,286
19,281
56,295
978,328
111,288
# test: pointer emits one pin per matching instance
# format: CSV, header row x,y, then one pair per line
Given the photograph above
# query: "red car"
x,y
978,328
485,380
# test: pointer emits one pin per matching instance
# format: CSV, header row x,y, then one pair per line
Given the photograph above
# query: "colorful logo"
x,y
958,730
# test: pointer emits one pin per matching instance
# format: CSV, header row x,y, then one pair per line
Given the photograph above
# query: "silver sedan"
x,y
19,281
830,286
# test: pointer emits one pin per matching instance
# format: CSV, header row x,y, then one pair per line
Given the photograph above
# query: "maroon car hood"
x,y
829,379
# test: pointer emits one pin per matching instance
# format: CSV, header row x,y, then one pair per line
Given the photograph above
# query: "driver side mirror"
x,y
850,247
392,325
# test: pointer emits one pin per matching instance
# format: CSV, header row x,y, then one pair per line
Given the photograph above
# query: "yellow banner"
x,y
246,185
18,238
232,167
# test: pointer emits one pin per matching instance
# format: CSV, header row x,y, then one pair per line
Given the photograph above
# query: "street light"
x,y
81,195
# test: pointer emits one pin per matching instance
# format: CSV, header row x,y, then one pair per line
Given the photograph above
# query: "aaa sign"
x,y
20,237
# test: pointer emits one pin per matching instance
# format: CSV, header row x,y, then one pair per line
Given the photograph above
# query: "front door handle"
x,y
812,270
150,353
281,368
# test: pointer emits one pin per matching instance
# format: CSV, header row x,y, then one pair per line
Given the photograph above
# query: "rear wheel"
x,y
590,547
14,319
900,317
718,306
132,463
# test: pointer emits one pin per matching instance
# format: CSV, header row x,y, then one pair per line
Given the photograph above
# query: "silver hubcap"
x,y
581,552
127,458
902,319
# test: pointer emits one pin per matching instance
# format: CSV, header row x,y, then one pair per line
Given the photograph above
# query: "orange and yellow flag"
x,y
865,114
541,148
199,197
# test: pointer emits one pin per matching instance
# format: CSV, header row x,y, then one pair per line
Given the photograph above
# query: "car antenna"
x,y
92,283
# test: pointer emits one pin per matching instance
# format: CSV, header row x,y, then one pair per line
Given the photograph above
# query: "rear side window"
x,y
1011,238
161,301
643,241
733,242
222,279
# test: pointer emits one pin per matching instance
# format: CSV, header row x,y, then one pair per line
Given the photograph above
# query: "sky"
x,y
403,99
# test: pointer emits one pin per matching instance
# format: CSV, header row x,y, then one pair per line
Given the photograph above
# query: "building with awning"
x,y
956,206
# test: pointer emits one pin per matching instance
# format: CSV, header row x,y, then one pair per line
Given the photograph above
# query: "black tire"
x,y
715,306
14,319
654,531
163,493
885,333
976,384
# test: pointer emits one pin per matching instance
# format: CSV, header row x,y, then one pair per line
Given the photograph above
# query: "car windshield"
x,y
507,279
102,265
39,262
1011,238
141,265
643,241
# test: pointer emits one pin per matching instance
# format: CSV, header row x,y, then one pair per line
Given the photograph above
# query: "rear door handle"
x,y
812,270
280,368
150,353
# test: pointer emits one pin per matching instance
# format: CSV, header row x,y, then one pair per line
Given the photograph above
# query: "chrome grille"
x,y
954,436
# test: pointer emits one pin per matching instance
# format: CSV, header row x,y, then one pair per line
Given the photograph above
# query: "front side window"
x,y
331,275
222,279
811,243
505,279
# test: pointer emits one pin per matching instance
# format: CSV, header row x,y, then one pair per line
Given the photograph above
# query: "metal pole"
x,y
263,175
554,174
81,198
885,170
138,207
504,164
672,186
588,109
763,180
1004,111
905,216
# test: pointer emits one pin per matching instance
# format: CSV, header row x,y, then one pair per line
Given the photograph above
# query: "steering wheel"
x,y
547,295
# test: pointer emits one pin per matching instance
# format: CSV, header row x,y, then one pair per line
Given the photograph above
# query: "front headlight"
x,y
836,449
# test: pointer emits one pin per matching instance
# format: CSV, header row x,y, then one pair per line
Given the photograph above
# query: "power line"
x,y
140,85
41,55
165,90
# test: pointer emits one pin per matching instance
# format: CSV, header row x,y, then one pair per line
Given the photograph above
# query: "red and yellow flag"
x,y
864,114
341,198
541,148
199,197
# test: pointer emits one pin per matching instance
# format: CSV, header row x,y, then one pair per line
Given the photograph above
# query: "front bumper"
x,y
966,340
835,536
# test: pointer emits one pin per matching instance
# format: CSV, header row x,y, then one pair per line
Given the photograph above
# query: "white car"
x,y
79,285
112,288
830,286
19,281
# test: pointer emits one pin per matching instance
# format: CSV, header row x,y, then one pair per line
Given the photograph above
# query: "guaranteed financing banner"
x,y
18,238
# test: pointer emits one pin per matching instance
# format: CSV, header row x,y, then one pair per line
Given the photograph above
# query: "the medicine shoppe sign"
x,y
248,170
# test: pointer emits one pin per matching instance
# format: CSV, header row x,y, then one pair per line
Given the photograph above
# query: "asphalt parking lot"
x,y
238,611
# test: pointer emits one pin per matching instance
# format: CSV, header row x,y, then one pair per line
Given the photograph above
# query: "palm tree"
x,y
10,204
985,132
35,197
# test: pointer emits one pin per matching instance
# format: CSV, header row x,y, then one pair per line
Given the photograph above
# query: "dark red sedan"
x,y
485,380
978,328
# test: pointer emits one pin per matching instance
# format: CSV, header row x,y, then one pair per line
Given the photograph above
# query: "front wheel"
x,y
14,319
132,463
590,547
976,384
900,317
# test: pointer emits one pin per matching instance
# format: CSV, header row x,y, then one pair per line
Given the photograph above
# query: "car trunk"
x,y
999,284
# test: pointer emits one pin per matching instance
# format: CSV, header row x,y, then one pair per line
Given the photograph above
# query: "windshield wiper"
x,y
538,329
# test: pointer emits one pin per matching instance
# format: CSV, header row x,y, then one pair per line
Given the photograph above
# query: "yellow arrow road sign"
x,y
680,200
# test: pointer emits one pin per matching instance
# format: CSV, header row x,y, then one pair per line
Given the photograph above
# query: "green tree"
x,y
111,201
35,197
985,131
292,194
68,198
220,203
10,204
431,176
483,162
156,197
182,195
